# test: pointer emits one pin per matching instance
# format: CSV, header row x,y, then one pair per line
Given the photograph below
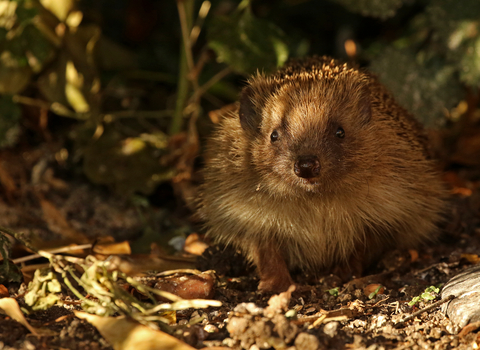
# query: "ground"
x,y
323,312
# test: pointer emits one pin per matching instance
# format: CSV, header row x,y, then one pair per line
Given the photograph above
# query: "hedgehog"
x,y
318,168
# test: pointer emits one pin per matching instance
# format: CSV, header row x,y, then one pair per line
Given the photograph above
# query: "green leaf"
x,y
25,12
430,293
247,43
457,30
127,165
427,87
375,292
333,291
39,49
414,301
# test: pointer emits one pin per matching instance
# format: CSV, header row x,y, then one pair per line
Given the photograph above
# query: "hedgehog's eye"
x,y
340,133
274,136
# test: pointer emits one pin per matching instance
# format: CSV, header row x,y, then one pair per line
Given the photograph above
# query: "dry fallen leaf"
x,y
112,248
194,244
4,291
471,258
10,307
373,289
57,222
413,255
124,334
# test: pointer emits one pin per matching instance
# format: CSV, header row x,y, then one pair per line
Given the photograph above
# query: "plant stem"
x,y
185,9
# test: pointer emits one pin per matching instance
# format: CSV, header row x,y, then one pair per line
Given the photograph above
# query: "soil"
x,y
323,312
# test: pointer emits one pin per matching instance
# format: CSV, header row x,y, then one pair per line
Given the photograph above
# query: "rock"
x,y
201,286
465,308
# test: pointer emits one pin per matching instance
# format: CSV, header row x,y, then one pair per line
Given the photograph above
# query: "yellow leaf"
x,y
111,248
76,98
74,19
10,307
124,334
60,8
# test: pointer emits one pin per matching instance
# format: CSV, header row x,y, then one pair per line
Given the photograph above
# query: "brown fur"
x,y
376,188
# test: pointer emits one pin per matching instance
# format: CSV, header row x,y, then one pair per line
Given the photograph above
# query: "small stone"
x,y
229,342
330,329
250,308
210,328
237,325
307,341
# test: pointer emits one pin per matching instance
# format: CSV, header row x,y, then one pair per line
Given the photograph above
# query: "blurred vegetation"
x,y
124,87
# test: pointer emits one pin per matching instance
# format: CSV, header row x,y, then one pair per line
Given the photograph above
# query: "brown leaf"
x,y
194,245
413,255
6,180
471,258
4,291
469,328
371,288
57,222
468,148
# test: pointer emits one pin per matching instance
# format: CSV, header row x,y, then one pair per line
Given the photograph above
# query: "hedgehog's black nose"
x,y
307,167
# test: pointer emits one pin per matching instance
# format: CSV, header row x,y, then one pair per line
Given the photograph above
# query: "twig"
x,y
53,251
212,81
55,107
429,307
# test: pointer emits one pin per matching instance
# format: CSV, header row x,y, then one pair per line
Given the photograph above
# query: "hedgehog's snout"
x,y
307,167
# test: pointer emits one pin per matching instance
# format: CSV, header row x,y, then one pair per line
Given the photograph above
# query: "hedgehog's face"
x,y
311,138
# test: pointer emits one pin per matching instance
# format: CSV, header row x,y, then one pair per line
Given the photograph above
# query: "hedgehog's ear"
x,y
250,117
364,105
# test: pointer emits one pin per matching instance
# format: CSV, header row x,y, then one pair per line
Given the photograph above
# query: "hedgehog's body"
x,y
318,166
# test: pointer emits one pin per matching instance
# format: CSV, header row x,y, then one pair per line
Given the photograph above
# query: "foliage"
x,y
430,293
246,43
427,66
333,291
107,290
428,90
375,292
138,84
